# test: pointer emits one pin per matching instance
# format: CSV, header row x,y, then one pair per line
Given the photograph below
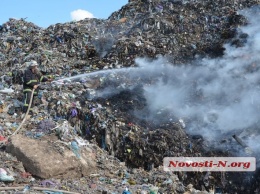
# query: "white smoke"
x,y
214,97
218,95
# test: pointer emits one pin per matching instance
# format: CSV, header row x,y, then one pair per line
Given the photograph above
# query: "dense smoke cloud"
x,y
216,95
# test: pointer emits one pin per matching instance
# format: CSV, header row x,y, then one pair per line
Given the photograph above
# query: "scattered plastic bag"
x,y
126,191
75,148
4,177
7,91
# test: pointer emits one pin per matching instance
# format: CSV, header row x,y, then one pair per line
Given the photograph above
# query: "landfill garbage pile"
x,y
180,30
80,110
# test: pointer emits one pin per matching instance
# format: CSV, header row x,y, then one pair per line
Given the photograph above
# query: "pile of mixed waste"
x,y
92,130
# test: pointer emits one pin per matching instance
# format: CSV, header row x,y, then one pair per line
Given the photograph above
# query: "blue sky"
x,y
47,12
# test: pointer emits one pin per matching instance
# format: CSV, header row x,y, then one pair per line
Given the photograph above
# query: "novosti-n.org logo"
x,y
242,164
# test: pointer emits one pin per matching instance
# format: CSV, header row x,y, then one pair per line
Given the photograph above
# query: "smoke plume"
x,y
217,96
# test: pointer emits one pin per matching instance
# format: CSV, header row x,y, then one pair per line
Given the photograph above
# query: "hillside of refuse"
x,y
101,125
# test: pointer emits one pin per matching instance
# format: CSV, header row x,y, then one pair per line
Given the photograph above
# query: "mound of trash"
x,y
93,129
